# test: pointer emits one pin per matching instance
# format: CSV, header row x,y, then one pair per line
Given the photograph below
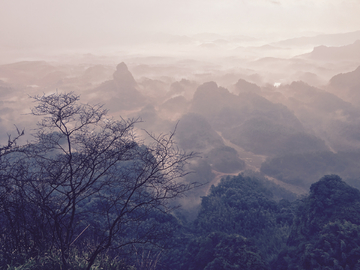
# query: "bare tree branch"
x,y
85,169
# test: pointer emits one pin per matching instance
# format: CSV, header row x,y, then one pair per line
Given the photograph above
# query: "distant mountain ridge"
x,y
340,39
341,53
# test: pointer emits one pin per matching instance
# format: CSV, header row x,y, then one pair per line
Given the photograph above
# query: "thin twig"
x,y
80,234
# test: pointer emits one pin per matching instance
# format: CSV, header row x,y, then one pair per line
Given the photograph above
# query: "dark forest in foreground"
x,y
86,194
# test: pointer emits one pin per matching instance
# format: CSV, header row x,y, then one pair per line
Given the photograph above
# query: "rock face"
x,y
120,93
123,78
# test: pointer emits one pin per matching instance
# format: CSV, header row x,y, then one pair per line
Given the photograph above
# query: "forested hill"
x,y
242,224
326,229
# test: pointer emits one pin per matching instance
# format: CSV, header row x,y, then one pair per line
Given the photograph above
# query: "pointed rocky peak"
x,y
123,77
122,67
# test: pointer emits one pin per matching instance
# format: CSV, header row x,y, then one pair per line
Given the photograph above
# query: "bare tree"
x,y
87,181
11,143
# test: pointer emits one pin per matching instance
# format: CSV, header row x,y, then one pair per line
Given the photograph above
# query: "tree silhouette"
x,y
86,181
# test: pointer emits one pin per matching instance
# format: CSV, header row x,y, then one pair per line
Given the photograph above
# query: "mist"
x,y
265,89
265,64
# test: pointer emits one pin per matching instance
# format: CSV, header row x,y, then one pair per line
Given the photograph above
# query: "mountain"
x,y
349,80
326,229
120,93
253,122
243,86
347,85
316,98
325,39
30,73
123,77
342,53
196,134
323,113
246,206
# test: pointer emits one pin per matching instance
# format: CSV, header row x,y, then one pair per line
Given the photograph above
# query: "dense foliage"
x,y
242,205
86,194
222,251
240,225
325,234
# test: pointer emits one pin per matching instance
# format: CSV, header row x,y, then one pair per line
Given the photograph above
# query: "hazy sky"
x,y
27,23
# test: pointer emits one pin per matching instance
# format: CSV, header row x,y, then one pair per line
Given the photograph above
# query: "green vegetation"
x,y
222,251
243,223
243,205
86,194
325,234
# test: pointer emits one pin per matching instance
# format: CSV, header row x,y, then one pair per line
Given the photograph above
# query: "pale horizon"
x,y
96,24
